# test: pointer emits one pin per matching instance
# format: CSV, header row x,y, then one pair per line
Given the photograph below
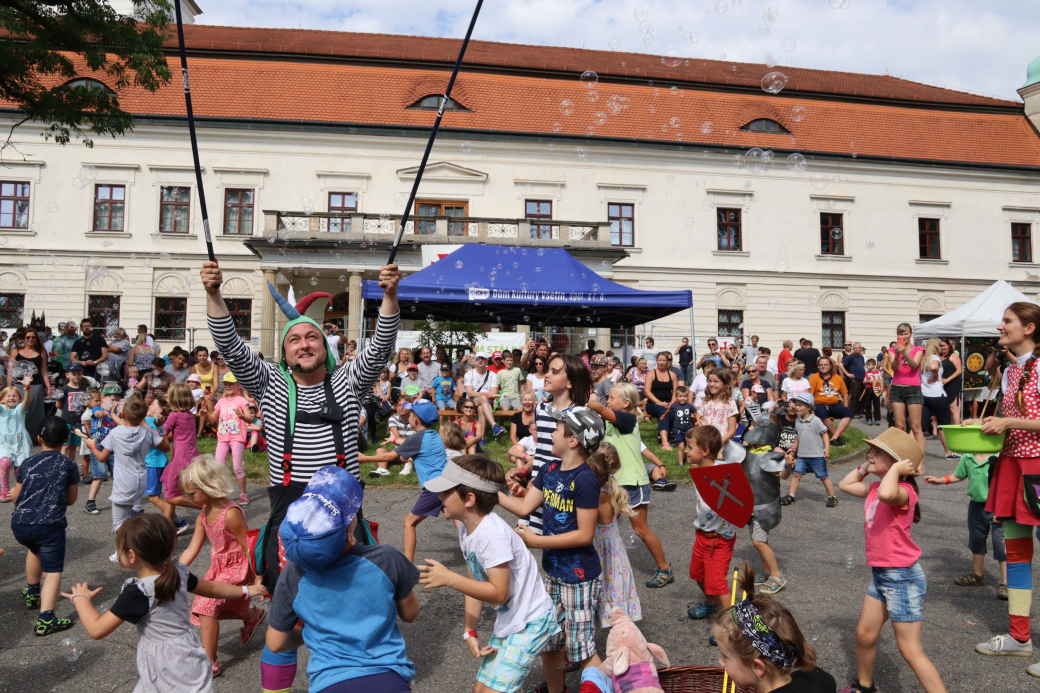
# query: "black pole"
x,y
433,133
191,131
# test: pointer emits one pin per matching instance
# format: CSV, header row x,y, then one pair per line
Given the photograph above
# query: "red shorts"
x,y
710,562
1007,500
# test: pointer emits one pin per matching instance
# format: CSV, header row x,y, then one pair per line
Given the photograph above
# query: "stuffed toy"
x,y
629,663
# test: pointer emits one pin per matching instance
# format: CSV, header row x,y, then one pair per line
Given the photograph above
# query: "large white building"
x,y
885,200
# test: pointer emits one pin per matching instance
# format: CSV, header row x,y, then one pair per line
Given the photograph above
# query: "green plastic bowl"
x,y
971,440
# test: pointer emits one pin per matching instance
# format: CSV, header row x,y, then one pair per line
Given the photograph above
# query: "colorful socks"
x,y
277,670
1019,542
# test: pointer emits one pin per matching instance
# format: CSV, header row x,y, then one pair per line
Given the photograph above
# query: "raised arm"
x,y
362,372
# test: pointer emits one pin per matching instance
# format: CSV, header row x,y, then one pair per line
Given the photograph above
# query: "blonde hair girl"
x,y
454,439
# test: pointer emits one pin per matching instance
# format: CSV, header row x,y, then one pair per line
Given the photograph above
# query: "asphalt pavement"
x,y
814,545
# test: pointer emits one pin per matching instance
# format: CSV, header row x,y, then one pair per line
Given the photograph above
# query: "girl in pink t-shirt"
x,y
718,408
230,418
180,428
898,584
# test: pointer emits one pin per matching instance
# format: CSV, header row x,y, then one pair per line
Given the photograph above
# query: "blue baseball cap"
x,y
314,530
425,410
76,367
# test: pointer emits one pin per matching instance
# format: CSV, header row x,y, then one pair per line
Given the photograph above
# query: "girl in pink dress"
x,y
224,524
180,428
229,416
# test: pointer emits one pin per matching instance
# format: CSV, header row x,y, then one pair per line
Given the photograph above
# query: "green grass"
x,y
257,466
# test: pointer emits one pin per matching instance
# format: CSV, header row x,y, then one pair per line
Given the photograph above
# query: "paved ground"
x,y
813,543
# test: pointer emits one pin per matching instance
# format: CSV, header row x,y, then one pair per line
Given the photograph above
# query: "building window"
x,y
729,228
539,210
433,103
622,220
341,203
833,329
832,238
432,208
171,316
731,323
928,238
1021,242
14,205
765,125
927,317
241,310
103,311
174,208
109,205
11,308
238,212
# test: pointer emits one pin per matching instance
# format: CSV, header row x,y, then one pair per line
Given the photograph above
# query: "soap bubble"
x,y
691,38
23,369
458,264
646,28
689,221
721,7
648,38
675,122
306,202
71,648
840,4
764,30
566,107
783,248
55,394
814,299
798,114
770,60
592,96
707,205
701,183
88,172
52,206
632,540
770,14
773,304
589,79
579,152
836,234
79,182
165,257
615,44
314,281
870,245
600,118
35,226
465,147
774,82
400,199
788,45
707,127
796,162
755,160
781,265
818,180
641,14
672,57
614,105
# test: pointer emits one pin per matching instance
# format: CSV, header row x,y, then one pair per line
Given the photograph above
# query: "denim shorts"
x,y
901,590
980,526
154,487
833,411
100,470
638,495
46,541
816,465
905,394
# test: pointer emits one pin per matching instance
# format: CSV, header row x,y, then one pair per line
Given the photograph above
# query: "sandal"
x,y
857,687
661,578
970,580
788,500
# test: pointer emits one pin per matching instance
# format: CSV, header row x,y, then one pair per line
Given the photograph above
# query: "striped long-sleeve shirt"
x,y
545,424
313,445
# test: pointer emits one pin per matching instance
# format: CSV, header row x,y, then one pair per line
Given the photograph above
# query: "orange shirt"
x,y
829,391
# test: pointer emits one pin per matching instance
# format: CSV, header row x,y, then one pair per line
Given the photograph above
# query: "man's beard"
x,y
300,368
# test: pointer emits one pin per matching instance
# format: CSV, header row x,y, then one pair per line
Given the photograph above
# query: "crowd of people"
x,y
111,410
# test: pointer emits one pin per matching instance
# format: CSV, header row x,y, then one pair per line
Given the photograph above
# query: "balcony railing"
x,y
331,226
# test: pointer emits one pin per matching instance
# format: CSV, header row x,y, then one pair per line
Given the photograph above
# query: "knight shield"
x,y
725,489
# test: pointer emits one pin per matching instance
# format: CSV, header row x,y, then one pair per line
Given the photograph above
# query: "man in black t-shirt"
x,y
809,356
685,353
787,419
90,349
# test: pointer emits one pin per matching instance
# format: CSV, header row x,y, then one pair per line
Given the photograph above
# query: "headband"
x,y
761,636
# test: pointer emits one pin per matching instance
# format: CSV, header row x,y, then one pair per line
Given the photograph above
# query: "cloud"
x,y
962,44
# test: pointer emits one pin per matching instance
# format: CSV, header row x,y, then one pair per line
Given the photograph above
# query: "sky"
x,y
982,46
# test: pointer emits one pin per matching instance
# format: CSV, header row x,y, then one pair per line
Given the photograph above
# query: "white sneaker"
x,y
1033,670
114,558
406,469
1005,646
379,471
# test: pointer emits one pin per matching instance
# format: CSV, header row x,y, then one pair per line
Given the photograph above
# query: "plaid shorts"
x,y
575,612
506,670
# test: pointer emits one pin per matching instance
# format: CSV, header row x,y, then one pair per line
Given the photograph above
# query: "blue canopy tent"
x,y
543,286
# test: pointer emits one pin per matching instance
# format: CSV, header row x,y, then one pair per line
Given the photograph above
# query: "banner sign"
x,y
493,341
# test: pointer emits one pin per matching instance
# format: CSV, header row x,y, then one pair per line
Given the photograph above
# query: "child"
x,y
619,587
601,382
454,440
130,442
170,658
680,417
180,431
15,445
570,492
46,486
873,384
471,424
99,424
397,427
423,451
718,408
411,383
224,524
74,398
510,382
713,544
811,449
980,522
444,388
91,399
156,462
898,583
501,571
228,415
762,648
329,581
522,454
133,376
257,442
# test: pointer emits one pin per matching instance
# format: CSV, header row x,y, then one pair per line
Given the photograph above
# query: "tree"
x,y
449,333
44,40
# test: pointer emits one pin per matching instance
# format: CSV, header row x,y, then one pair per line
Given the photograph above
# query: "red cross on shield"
x,y
725,489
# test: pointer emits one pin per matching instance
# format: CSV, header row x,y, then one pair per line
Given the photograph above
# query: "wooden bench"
x,y
498,414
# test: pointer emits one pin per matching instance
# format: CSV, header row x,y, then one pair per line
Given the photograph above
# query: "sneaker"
x,y
5,499
664,485
699,612
837,442
136,511
55,625
497,430
869,422
378,472
857,687
1033,670
788,500
406,469
832,501
1005,646
184,528
661,578
114,558
86,480
772,585
32,599
91,508
970,580
1002,591
243,499
249,628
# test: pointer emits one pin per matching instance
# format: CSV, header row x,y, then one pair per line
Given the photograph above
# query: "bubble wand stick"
x,y
191,131
433,133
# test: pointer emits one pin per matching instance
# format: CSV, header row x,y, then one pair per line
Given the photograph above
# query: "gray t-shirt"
x,y
129,446
428,373
179,375
602,390
810,444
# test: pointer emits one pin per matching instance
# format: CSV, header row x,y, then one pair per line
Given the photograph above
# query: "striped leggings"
x,y
1019,541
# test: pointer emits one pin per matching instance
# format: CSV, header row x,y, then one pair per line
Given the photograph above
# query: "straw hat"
x,y
898,444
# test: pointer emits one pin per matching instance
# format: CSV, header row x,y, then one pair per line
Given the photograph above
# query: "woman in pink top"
x,y
229,416
904,396
898,583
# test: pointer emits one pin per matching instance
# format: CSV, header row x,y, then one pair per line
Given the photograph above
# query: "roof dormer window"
x,y
765,125
433,101
90,84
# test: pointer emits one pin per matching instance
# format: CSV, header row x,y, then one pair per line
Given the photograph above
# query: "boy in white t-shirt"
x,y
522,454
502,571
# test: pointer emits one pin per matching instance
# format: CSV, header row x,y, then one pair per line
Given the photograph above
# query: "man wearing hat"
x,y
601,382
496,362
482,387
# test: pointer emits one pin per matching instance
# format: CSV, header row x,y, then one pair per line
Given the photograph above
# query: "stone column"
x,y
355,317
267,315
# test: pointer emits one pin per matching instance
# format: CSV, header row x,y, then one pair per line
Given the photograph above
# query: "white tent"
x,y
978,317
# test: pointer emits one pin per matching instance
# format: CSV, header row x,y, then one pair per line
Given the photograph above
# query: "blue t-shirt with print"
x,y
564,492
156,458
44,478
427,453
101,426
443,388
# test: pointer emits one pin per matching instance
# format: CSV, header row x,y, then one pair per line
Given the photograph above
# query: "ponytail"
x,y
618,498
605,462
153,538
168,583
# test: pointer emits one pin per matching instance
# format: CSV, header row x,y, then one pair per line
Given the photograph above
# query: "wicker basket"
x,y
694,680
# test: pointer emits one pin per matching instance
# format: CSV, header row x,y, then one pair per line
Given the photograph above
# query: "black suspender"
x,y
331,416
